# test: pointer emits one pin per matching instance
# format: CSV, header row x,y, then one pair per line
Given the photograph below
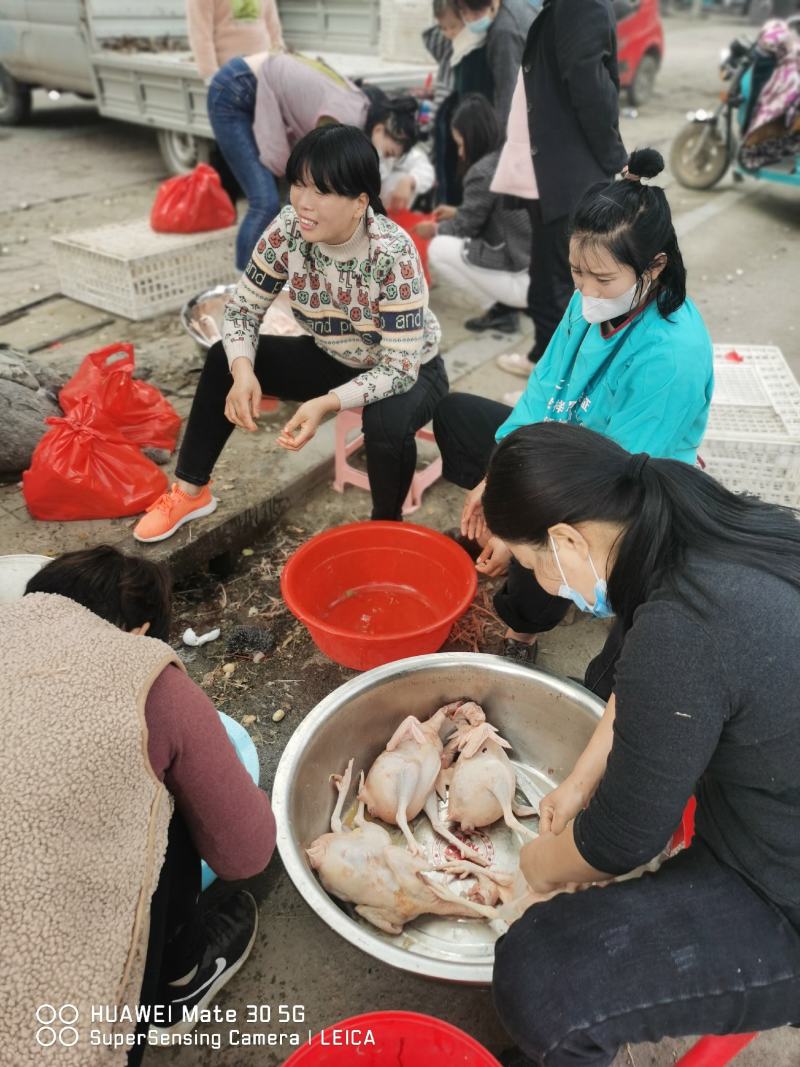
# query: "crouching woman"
x,y
706,586
118,776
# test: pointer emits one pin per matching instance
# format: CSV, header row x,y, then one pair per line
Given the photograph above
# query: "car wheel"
x,y
699,157
641,88
15,99
182,152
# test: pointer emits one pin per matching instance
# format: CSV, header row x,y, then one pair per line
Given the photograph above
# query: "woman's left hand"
x,y
531,865
403,194
302,426
494,559
425,230
444,211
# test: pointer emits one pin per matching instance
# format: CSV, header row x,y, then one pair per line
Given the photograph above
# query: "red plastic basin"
x,y
402,1039
373,592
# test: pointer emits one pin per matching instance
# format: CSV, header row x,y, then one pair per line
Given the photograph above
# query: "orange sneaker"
x,y
171,511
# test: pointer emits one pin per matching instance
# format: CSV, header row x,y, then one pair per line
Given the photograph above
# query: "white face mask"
x,y
601,309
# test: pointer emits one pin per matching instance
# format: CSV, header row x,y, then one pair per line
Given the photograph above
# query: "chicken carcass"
x,y
387,884
482,784
402,781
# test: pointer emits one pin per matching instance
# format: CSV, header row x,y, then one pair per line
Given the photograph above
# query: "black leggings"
x,y
172,944
691,949
295,368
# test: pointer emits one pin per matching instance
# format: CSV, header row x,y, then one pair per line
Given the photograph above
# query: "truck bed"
x,y
163,89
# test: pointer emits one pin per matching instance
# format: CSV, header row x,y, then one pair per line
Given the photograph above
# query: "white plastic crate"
x,y
402,23
129,270
752,443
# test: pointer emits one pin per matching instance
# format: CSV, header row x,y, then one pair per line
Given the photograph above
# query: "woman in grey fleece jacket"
x,y
482,247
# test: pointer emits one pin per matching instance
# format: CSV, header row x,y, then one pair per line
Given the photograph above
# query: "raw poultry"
x,y
402,781
389,885
482,783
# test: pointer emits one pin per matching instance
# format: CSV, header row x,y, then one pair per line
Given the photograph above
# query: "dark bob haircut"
x,y
337,159
124,590
634,223
397,114
476,121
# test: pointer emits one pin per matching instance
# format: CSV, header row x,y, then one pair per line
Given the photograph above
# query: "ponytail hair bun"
x,y
645,163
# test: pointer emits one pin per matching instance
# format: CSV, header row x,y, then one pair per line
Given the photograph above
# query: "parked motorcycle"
x,y
705,148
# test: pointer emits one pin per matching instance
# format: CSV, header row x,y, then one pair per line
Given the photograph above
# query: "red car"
x,y
640,47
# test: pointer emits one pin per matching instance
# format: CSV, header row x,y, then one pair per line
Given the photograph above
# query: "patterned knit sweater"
x,y
365,303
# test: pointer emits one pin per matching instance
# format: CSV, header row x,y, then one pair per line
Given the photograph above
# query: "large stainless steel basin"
x,y
548,720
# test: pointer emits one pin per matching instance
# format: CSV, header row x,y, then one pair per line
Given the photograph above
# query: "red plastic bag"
x,y
192,203
137,409
83,468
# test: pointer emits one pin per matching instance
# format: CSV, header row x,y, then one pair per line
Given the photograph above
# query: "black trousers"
x,y
295,368
551,285
174,929
691,949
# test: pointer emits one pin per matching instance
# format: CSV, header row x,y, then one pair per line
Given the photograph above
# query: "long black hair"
x,y
548,473
124,590
338,159
398,114
634,223
476,121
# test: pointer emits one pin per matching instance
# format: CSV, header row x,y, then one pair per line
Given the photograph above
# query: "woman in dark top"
x,y
481,247
706,589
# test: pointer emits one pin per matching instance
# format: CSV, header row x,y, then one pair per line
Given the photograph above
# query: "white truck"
x,y
132,58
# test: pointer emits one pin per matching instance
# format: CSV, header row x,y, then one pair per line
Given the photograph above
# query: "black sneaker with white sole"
x,y
230,930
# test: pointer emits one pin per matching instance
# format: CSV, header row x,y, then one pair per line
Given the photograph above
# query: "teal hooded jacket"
x,y
647,386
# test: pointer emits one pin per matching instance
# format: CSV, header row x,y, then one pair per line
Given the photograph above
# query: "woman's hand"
x,y
444,211
561,806
426,230
473,522
302,426
402,195
243,403
494,559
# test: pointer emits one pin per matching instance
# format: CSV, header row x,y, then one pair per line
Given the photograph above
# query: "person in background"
x,y
357,289
481,247
705,585
220,30
118,776
469,73
260,106
565,122
438,40
631,358
506,24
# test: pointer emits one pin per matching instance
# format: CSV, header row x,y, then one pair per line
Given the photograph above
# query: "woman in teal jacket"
x,y
631,359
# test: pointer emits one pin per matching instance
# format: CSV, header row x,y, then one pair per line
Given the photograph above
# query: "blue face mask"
x,y
601,609
480,25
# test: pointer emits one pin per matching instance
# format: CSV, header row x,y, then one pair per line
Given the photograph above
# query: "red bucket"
x,y
401,1038
374,592
407,220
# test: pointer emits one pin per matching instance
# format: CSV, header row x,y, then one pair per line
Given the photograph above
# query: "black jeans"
x,y
551,285
172,944
294,368
691,949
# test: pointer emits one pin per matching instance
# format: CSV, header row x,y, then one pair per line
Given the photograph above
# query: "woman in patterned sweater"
x,y
357,288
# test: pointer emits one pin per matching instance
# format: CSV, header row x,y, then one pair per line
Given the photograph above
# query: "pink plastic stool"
x,y
345,474
709,1051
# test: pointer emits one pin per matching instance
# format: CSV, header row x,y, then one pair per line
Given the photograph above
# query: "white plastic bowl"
x,y
16,572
